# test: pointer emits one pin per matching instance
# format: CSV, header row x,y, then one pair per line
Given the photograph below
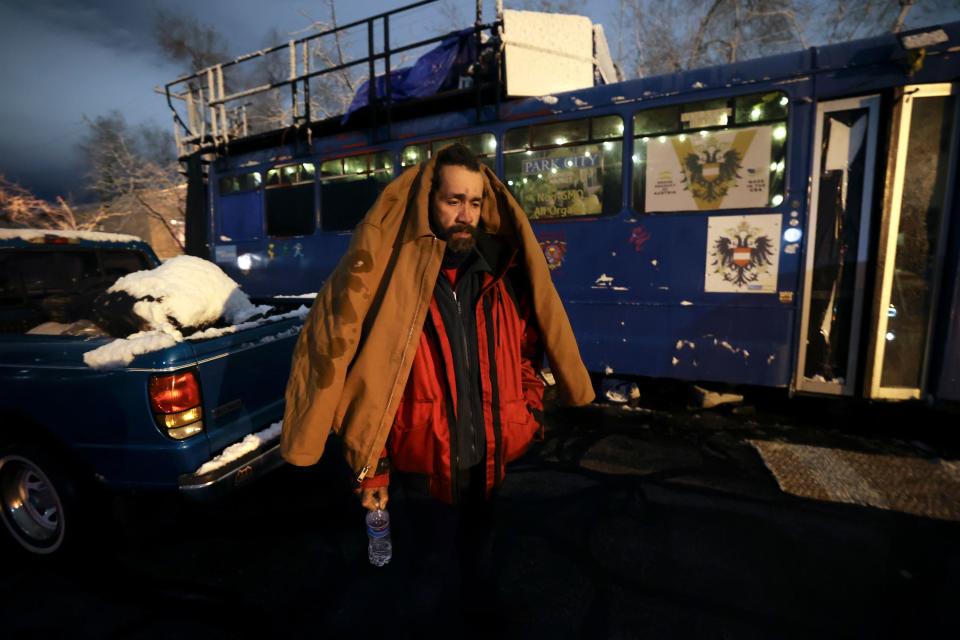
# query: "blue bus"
x,y
785,222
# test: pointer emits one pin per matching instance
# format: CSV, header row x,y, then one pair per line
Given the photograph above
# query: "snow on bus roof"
x,y
37,234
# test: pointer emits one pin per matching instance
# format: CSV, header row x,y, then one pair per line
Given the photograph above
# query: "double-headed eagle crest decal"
x,y
742,254
711,172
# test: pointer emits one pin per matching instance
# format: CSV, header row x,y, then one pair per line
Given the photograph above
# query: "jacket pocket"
x,y
518,430
413,441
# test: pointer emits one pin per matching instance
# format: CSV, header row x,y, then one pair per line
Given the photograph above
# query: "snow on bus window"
x,y
708,156
566,169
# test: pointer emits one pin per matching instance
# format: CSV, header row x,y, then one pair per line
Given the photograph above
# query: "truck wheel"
x,y
36,498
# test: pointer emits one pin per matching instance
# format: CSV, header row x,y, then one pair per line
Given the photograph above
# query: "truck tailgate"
x,y
243,376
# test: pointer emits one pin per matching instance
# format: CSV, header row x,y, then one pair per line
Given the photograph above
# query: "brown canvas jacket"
x,y
355,350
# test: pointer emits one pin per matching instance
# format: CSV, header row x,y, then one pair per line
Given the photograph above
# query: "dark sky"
x,y
67,59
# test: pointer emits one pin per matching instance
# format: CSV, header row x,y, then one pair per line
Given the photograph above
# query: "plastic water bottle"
x,y
379,548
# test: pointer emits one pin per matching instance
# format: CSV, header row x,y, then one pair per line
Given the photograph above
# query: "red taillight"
x,y
174,392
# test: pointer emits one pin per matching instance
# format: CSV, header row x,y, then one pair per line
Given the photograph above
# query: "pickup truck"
x,y
199,417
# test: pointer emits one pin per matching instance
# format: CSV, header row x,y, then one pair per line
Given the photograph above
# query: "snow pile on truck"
x,y
184,298
184,295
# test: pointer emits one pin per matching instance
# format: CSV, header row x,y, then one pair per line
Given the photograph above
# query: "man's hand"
x,y
374,498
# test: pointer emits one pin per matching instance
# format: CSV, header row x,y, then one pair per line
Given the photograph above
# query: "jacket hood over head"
x,y
354,353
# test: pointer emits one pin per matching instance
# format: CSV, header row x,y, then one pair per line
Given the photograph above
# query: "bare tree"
x,y
20,208
271,109
335,90
685,34
184,40
737,29
131,168
905,6
329,94
553,6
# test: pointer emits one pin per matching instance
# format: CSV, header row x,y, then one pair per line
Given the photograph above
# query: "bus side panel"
x,y
240,217
634,290
710,344
285,266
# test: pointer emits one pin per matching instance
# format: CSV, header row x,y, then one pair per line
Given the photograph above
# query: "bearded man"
x,y
422,352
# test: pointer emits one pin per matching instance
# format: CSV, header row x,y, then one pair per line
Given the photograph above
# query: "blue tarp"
x,y
436,70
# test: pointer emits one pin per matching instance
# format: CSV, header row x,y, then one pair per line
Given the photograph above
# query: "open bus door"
x,y
912,245
838,232
899,312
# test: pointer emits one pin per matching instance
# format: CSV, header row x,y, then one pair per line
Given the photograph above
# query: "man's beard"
x,y
460,245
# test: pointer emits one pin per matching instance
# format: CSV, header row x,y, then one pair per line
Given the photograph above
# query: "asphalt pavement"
x,y
643,521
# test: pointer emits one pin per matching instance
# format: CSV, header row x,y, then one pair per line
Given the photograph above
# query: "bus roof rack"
x,y
242,99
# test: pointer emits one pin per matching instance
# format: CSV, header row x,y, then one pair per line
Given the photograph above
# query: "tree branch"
x,y
697,48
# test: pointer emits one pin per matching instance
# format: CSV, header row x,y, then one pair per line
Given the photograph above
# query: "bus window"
x,y
484,145
240,183
560,133
290,201
349,187
239,207
566,169
712,155
607,127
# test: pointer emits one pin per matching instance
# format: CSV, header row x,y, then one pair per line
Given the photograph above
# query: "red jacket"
x,y
512,393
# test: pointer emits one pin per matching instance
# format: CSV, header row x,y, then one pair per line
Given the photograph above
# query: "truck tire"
x,y
38,499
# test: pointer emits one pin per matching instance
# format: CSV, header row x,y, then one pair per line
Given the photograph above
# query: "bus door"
x,y
838,235
912,241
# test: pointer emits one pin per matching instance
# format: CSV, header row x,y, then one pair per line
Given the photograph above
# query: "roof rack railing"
x,y
212,116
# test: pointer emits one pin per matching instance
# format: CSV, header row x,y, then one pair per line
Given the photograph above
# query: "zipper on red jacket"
x,y
494,395
500,308
451,427
463,334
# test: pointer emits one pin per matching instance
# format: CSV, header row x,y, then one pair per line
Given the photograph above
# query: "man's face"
x,y
456,207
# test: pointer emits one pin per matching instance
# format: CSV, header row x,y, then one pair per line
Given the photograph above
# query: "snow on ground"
x,y
620,392
252,442
189,290
96,236
121,351
614,395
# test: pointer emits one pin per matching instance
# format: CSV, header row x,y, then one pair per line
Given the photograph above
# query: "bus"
x,y
785,222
